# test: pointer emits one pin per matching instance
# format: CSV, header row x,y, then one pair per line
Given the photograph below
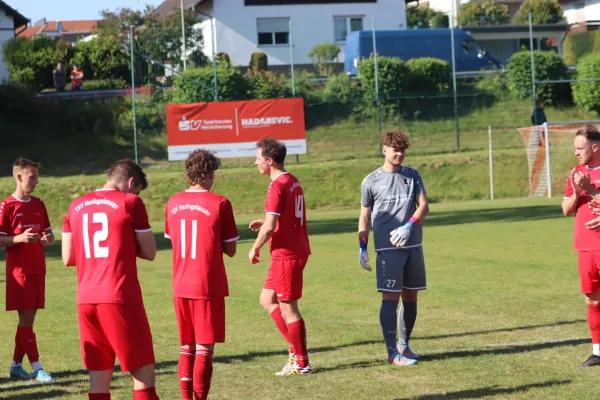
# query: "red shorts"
x,y
285,277
589,271
200,321
25,292
109,330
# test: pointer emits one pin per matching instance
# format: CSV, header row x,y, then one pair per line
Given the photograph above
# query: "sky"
x,y
66,10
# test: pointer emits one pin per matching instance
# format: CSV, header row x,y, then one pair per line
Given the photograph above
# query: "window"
x,y
273,31
343,25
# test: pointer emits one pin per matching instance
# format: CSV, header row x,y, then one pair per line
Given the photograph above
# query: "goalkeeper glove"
x,y
400,235
363,255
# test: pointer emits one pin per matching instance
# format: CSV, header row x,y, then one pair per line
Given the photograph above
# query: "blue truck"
x,y
418,43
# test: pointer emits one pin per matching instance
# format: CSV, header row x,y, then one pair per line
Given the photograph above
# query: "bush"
x,y
150,117
30,62
585,94
340,88
494,84
324,57
224,57
542,12
102,59
487,12
393,76
303,86
230,84
579,44
424,18
439,20
258,61
548,66
428,75
266,85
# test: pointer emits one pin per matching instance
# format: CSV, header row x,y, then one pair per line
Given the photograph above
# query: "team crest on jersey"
x,y
405,181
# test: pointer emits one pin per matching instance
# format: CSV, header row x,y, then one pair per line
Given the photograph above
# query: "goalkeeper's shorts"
x,y
401,269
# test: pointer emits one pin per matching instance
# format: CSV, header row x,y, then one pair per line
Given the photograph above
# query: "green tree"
x,y
30,61
487,12
585,94
324,57
424,18
542,12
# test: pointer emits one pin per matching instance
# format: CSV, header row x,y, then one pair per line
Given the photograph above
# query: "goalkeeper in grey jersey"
x,y
393,204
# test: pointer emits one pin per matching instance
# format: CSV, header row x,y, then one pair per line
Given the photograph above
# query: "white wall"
x,y
311,25
5,22
591,12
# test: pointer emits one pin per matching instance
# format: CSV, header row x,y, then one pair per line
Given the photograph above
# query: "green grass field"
x,y
502,318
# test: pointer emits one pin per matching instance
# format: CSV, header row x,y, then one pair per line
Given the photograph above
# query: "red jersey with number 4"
x,y
585,240
16,216
103,224
285,198
198,223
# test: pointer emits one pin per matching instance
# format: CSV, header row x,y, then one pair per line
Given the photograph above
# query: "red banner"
x,y
232,128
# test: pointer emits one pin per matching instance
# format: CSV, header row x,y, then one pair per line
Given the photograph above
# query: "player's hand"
x,y
47,239
400,235
253,255
583,181
363,258
594,205
593,225
28,237
256,224
575,178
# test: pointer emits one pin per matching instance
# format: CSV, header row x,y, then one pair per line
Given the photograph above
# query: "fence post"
x,y
454,79
491,163
135,146
376,83
548,163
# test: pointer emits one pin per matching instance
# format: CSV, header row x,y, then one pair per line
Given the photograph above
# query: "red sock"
x,y
99,396
29,343
19,350
282,326
594,322
148,393
203,370
297,332
185,371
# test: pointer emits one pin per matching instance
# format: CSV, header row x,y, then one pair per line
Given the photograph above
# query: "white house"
x,y
585,13
242,27
10,20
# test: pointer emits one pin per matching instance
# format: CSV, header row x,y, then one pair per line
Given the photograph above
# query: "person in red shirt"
x,y
24,231
201,227
76,79
284,227
104,231
582,186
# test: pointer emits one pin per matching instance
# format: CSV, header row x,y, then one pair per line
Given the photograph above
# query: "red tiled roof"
x,y
84,26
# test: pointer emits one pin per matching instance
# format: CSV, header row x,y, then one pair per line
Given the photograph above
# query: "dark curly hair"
x,y
395,139
272,148
200,165
124,169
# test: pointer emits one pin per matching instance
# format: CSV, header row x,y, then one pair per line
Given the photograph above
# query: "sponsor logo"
x,y
186,125
266,122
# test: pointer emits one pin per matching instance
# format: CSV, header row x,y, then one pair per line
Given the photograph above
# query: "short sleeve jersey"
x,y
584,239
103,225
198,223
16,216
285,198
392,198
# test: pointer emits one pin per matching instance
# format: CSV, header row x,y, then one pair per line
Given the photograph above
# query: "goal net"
x,y
550,154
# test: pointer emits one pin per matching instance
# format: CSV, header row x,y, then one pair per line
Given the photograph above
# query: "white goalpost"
x,y
550,153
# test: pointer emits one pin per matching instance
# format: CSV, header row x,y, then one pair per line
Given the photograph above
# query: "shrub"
x,y
224,57
102,59
428,74
585,94
423,18
324,57
303,86
542,12
258,61
579,44
30,62
494,84
340,88
230,84
548,66
393,76
487,12
266,85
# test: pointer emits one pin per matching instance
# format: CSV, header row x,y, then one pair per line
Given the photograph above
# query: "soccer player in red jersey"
x,y
104,231
24,231
582,186
201,227
284,227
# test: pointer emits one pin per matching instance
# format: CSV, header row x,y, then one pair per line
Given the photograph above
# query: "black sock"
x,y
407,322
389,322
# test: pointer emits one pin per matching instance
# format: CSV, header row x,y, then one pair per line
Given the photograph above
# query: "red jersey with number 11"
x,y
285,198
103,225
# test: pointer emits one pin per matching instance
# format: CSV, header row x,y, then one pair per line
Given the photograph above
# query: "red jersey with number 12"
x,y
103,224
285,198
585,239
198,222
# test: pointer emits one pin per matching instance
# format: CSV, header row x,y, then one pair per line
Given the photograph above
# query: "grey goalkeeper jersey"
x,y
392,198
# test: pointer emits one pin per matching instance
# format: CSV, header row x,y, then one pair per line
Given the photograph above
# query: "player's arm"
x,y
364,222
25,237
146,245
422,207
230,248
144,238
266,231
67,250
572,193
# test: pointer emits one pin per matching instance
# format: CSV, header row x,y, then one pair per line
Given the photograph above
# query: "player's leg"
x,y
128,331
288,279
15,299
96,351
415,280
589,263
389,268
187,351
